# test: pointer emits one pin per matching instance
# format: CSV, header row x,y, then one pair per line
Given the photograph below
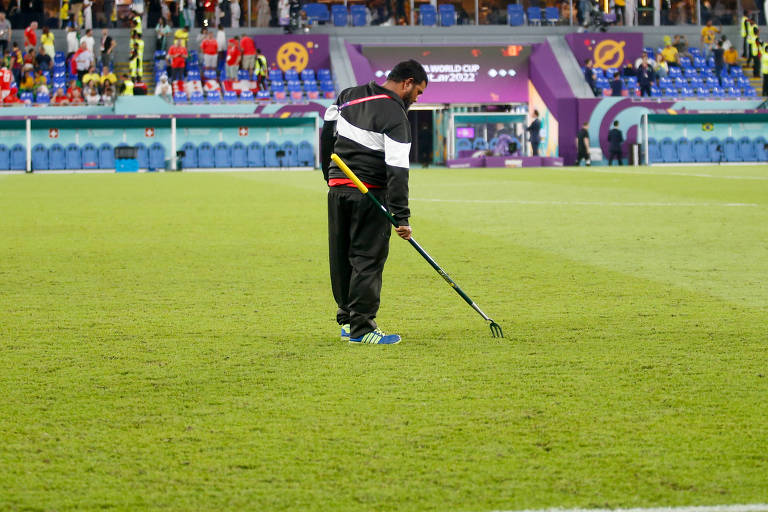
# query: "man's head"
x,y
88,32
33,25
536,114
585,126
104,32
408,80
615,124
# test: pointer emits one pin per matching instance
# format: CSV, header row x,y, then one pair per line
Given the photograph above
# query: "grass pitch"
x,y
168,343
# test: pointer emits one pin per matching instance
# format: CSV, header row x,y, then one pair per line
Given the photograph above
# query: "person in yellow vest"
x,y
137,44
619,8
64,14
113,17
744,33
182,36
127,89
134,67
757,45
764,66
137,20
750,41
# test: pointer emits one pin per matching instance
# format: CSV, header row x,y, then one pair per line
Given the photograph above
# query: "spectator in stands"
x,y
64,14
27,83
90,43
76,98
134,66
645,76
136,21
726,43
109,95
137,44
177,57
681,43
126,87
619,9
209,8
83,60
73,41
261,69
708,35
30,61
745,24
46,41
6,77
75,9
617,85
582,145
71,89
163,88
5,33
41,83
92,96
163,33
589,76
263,14
188,8
43,61
233,58
88,14
91,77
107,48
59,98
731,58
615,138
756,45
249,53
235,12
181,36
718,54
17,62
12,97
670,54
210,51
107,78
221,41
660,67
30,36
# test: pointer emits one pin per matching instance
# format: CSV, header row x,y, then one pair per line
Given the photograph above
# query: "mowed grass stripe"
x,y
178,352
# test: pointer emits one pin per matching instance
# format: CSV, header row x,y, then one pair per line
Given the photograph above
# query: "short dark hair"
x,y
408,69
615,123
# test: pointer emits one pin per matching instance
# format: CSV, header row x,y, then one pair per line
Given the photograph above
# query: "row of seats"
x,y
88,156
255,154
534,15
711,150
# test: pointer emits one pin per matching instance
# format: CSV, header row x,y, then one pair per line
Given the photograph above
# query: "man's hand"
x,y
404,232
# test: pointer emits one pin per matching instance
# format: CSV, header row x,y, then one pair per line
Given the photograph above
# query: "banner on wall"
x,y
606,50
297,52
457,74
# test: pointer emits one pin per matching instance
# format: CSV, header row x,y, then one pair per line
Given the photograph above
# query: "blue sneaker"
x,y
345,332
376,337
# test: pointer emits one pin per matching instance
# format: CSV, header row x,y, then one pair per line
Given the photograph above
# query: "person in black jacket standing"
x,y
615,138
368,128
535,133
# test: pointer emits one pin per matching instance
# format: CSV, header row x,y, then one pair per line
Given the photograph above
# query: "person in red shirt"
x,y
6,77
210,51
249,53
233,58
177,54
59,98
12,98
30,36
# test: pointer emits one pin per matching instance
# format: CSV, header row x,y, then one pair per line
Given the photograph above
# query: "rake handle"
x,y
362,188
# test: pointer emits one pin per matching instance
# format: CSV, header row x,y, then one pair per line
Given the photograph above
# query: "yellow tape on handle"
x,y
351,175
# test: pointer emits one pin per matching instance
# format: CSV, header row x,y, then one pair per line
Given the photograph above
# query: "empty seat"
x,y
275,75
552,15
57,157
270,154
668,150
731,150
290,157
654,151
699,148
515,15
90,156
684,150
324,74
5,158
106,156
317,13
427,15
74,157
534,15
747,150
463,145
205,156
305,154
339,15
291,75
196,97
246,95
715,149
230,96
238,155
447,15
39,158
179,97
308,75
480,144
214,96
761,151
156,156
189,160
255,155
222,156
359,14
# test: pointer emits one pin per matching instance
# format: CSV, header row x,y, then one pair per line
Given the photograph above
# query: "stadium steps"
x,y
756,83
149,73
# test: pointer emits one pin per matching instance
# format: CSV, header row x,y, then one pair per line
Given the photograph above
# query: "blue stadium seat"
x,y
270,154
239,155
39,158
534,15
715,149
665,81
480,144
651,53
685,62
654,151
552,15
246,95
669,91
5,158
106,156
214,96
718,92
193,57
180,97
291,75
189,160
156,156
310,88
747,150
74,156
305,154
196,97
463,145
255,154
680,82
749,92
761,151
655,92
427,15
700,153
262,95
324,74
684,150
42,98
447,15
290,157
27,96
317,13
222,157
230,97
57,157
358,13
142,155
668,150
674,72
339,14
90,156
702,91
275,75
515,15
731,150
59,57
205,155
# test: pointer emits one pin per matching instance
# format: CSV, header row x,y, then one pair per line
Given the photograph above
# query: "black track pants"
x,y
358,245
